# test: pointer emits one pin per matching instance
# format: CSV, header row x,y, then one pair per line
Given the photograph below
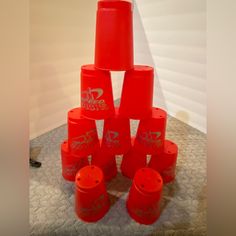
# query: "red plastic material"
x,y
106,162
82,134
137,93
143,203
96,93
70,163
165,163
132,161
116,135
114,35
91,198
150,135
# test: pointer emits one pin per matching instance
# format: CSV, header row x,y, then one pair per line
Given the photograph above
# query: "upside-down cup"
x,y
107,163
114,35
137,93
143,203
91,198
165,163
116,138
151,132
96,93
82,134
132,161
71,164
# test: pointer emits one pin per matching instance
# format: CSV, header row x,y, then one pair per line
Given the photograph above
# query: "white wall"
x,y
62,36
171,36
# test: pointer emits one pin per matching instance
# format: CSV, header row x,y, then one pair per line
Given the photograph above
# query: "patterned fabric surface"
x,y
183,204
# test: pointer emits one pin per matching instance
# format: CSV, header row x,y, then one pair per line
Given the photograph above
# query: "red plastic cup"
x,y
165,163
106,161
143,203
114,35
116,135
70,163
91,198
137,93
96,93
82,134
132,161
150,135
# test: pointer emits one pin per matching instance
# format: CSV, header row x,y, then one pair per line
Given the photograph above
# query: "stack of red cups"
x,y
114,52
82,142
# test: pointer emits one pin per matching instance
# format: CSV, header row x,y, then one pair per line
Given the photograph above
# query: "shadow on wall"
x,y
143,55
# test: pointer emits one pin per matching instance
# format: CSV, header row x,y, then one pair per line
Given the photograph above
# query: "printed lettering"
x,y
150,138
90,100
71,169
84,140
111,139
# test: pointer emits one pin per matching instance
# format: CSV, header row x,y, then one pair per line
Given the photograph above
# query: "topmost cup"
x,y
114,35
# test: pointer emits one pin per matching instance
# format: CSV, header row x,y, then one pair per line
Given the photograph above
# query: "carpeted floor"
x,y
183,205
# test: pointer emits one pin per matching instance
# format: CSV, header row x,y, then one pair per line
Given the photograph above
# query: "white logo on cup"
x,y
150,138
71,169
111,139
90,100
83,141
